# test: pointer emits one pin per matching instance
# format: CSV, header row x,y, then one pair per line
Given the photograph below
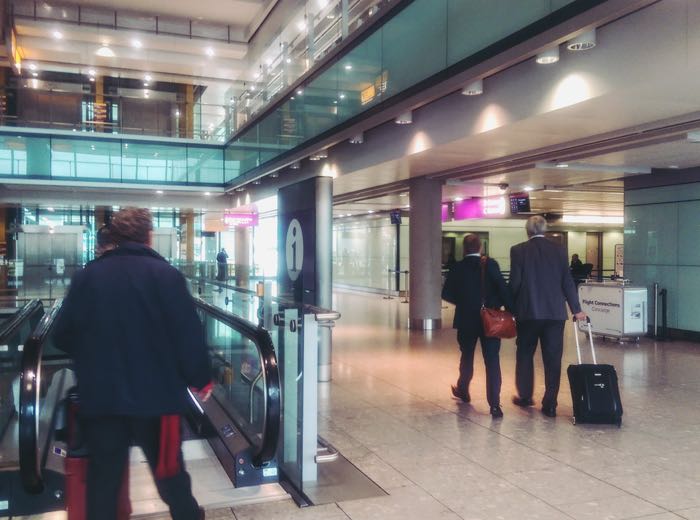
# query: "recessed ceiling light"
x,y
159,192
475,88
370,211
57,34
92,80
50,209
288,60
91,72
207,193
136,43
145,83
342,96
301,25
300,92
562,165
583,42
549,56
148,77
348,67
335,101
209,51
457,199
528,188
405,118
35,74
32,66
673,166
105,52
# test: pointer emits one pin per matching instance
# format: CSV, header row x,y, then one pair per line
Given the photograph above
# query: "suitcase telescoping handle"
x,y
590,339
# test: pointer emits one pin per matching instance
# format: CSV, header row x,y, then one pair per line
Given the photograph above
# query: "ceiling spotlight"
x,y
91,72
207,193
457,199
301,25
295,165
548,56
300,92
348,67
105,52
323,154
148,77
405,118
342,96
582,42
159,192
240,188
474,88
274,175
35,74
92,79
209,51
32,66
257,182
357,138
370,211
57,34
136,43
528,188
288,60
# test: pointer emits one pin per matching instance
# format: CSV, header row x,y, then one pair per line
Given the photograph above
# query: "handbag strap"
x,y
483,261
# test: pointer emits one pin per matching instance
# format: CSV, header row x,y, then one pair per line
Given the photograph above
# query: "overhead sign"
x,y
234,218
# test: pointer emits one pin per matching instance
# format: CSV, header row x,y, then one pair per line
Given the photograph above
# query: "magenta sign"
x,y
479,208
240,219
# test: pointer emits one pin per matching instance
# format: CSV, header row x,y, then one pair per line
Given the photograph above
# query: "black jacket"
x,y
463,288
131,327
540,281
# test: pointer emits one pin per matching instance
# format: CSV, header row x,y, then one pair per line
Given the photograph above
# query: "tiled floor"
x,y
390,412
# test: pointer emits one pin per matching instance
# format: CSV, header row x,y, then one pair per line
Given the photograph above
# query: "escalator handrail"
x,y
263,341
30,382
11,326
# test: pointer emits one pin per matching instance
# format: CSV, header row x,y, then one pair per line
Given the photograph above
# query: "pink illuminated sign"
x,y
240,219
479,208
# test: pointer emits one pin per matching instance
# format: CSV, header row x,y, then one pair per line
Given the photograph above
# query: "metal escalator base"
x,y
211,485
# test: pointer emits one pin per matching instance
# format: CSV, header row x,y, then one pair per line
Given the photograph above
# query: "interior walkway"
x,y
389,410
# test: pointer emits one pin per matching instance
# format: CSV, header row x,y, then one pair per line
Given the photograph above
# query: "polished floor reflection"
x,y
390,412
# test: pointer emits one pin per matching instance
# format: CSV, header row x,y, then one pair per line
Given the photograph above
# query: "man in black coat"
x,y
463,288
131,327
541,285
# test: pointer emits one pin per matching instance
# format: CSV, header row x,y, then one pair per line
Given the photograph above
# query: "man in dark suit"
x,y
541,284
463,288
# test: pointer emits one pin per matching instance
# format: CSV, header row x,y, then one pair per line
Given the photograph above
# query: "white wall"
x,y
610,238
503,234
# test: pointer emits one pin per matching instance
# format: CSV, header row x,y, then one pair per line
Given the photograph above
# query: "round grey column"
x,y
425,248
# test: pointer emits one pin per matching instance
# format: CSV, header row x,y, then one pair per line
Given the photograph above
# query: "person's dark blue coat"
x,y
131,327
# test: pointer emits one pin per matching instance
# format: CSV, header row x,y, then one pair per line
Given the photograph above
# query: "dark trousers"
x,y
550,334
490,348
108,440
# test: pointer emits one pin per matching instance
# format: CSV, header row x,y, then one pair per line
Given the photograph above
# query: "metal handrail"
x,y
30,383
262,340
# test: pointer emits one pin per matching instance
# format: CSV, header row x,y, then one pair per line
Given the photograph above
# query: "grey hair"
x,y
536,225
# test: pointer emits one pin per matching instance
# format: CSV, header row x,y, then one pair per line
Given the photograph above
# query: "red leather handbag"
x,y
496,323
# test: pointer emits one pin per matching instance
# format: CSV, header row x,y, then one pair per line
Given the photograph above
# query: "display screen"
x,y
519,203
395,216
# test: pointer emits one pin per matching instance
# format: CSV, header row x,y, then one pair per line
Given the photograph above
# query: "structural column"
x,y
187,219
324,270
242,256
425,232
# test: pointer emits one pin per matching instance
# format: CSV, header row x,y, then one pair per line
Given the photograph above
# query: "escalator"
x,y
241,421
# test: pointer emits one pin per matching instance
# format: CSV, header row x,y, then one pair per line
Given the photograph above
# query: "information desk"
x,y
615,309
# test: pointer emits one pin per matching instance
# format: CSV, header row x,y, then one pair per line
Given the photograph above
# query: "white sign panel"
x,y
294,249
604,306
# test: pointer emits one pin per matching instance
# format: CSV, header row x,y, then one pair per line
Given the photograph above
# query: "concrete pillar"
x,y
187,219
425,232
324,270
242,260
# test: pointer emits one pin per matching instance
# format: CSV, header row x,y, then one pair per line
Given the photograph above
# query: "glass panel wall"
x,y
420,41
110,160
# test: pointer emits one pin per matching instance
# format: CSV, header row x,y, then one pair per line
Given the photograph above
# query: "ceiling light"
x,y
582,42
300,92
295,165
342,96
348,67
105,52
673,166
274,175
177,113
136,43
32,66
301,25
92,79
209,51
474,88
207,193
240,188
145,83
370,211
457,199
35,74
148,77
57,34
92,147
589,167
159,192
288,60
528,188
322,3
357,138
548,56
405,118
562,165
50,209
91,72
335,101
693,137
146,93
323,154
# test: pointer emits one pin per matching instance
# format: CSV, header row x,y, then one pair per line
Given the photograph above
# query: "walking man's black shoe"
x,y
549,411
496,412
524,403
464,396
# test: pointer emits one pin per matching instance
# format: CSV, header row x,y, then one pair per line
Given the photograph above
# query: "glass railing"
x,y
45,377
82,158
37,104
414,45
16,327
244,368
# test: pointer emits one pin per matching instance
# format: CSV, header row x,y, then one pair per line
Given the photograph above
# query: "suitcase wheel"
x,y
573,420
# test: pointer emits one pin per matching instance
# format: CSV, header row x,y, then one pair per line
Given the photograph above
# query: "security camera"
x,y
503,186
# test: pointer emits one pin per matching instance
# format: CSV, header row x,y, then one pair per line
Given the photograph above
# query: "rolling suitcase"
x,y
594,390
